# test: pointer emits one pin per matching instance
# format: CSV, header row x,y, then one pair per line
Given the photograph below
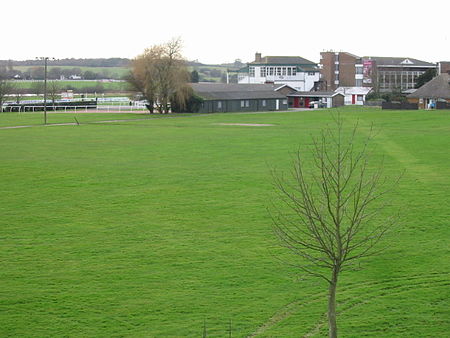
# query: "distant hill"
x,y
109,62
101,62
101,68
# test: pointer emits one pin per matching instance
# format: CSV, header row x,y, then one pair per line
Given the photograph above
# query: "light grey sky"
x,y
222,31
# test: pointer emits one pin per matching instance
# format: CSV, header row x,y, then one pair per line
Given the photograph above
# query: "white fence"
x,y
78,109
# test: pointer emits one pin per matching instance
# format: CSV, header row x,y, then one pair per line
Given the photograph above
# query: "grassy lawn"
x,y
119,71
154,227
79,85
37,118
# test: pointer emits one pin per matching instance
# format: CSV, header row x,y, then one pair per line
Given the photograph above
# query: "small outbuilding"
x,y
433,94
233,97
317,99
354,95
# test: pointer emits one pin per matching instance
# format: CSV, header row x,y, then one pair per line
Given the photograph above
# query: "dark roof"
x,y
235,91
283,60
315,94
398,61
438,88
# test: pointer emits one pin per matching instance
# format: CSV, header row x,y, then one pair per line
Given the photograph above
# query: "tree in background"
x,y
37,88
54,73
194,76
161,76
425,77
329,213
37,73
18,94
53,90
6,88
90,75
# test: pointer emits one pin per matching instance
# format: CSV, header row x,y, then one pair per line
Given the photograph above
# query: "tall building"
x,y
340,69
295,71
443,67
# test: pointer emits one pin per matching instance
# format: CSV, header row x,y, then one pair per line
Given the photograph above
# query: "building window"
x,y
289,71
358,82
360,98
284,101
284,71
263,103
242,103
294,71
311,73
263,71
252,71
219,104
247,103
270,71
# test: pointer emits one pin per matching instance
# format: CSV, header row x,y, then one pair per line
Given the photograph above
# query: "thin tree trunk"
x,y
332,325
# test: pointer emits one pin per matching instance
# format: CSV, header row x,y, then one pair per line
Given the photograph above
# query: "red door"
x,y
306,102
353,99
296,102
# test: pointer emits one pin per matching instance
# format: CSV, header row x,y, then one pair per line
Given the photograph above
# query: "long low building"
x,y
221,97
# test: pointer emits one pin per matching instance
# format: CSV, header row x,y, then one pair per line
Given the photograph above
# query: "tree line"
x,y
98,62
57,73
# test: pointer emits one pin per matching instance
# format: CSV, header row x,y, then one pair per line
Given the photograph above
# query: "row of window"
x,y
246,103
398,79
274,71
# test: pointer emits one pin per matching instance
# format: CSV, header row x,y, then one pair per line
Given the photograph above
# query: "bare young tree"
x,y
53,90
37,88
6,88
160,74
329,211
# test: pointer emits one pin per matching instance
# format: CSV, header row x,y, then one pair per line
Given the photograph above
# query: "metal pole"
x,y
45,90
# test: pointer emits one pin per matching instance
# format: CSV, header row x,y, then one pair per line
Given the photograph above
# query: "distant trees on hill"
x,y
110,62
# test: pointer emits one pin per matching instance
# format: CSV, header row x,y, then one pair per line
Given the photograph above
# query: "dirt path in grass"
x,y
71,123
370,291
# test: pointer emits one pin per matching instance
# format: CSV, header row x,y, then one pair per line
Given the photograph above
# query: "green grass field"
x,y
116,71
79,85
151,228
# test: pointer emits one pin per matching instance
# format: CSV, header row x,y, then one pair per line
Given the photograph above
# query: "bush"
x,y
193,105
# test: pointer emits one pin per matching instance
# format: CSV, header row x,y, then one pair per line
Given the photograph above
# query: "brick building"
x,y
340,69
383,74
443,67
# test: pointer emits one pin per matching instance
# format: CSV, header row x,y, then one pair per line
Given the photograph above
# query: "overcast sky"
x,y
222,31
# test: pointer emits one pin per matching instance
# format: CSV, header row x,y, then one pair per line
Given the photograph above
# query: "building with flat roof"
x,y
340,69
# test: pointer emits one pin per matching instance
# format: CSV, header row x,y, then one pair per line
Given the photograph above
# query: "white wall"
x,y
301,81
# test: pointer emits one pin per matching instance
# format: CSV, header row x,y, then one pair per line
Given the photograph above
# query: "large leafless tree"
x,y
161,76
330,208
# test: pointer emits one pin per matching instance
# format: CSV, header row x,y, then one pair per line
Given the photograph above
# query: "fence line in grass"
x,y
85,108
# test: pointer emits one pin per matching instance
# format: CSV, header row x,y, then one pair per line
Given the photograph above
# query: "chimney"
x,y
257,57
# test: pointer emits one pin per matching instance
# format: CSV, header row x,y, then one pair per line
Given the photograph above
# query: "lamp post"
x,y
45,59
